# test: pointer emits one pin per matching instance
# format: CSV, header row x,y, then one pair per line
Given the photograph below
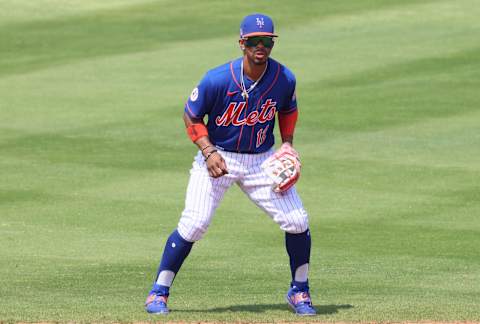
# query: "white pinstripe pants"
x,y
204,194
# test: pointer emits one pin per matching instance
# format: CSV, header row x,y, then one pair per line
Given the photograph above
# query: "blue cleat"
x,y
156,304
300,302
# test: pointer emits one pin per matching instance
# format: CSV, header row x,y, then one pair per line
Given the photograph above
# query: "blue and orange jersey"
x,y
240,124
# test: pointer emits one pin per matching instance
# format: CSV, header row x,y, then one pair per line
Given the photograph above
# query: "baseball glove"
x,y
283,167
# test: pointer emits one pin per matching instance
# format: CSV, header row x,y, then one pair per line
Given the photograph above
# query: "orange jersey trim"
x,y
261,97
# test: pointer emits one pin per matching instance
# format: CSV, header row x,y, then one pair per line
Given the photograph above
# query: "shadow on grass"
x,y
321,309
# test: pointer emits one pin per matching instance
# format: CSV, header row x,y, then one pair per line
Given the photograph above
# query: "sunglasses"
x,y
254,41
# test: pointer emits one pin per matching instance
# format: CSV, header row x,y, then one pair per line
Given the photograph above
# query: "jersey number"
x,y
262,135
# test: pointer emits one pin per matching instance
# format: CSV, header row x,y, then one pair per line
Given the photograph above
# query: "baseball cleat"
x,y
300,302
156,304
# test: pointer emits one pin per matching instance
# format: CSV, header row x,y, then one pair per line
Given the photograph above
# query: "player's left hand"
x,y
283,167
287,147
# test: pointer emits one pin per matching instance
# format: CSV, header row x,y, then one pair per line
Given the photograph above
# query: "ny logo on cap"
x,y
260,22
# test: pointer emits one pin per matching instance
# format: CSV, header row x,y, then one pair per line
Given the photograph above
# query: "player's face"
x,y
257,49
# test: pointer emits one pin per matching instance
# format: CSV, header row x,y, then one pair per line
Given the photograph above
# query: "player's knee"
x,y
191,232
296,225
296,228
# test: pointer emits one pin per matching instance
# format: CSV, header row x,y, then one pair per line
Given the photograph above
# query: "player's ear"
x,y
241,43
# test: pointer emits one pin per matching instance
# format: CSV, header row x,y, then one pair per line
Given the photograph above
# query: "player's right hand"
x,y
216,165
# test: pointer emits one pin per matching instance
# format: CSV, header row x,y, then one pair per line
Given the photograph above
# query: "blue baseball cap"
x,y
256,25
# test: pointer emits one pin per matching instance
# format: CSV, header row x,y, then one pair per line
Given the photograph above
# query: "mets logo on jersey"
x,y
235,110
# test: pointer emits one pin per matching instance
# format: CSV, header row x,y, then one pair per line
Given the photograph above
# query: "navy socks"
x,y
177,249
298,249
175,252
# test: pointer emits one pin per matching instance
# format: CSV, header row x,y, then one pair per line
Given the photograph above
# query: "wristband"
x,y
195,131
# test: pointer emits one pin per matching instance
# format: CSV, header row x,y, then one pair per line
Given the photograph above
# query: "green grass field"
x,y
94,160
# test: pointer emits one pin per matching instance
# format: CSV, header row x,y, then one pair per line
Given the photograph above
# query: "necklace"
x,y
246,91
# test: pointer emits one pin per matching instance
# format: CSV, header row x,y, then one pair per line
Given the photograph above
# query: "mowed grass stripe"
x,y
14,11
144,26
372,40
183,79
442,143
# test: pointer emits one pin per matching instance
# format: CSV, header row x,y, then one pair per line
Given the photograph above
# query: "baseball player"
x,y
241,99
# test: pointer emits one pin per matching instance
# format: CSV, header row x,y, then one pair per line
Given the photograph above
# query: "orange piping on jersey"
x,y
233,76
246,103
190,110
260,100
241,129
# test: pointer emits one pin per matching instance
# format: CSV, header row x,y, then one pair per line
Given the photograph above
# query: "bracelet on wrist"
x,y
210,154
203,149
